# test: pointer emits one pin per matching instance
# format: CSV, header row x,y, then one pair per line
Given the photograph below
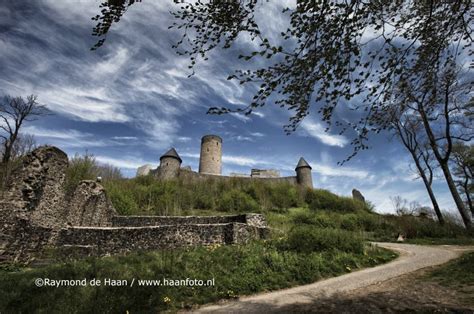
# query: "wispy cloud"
x,y
337,171
123,163
240,116
65,137
316,130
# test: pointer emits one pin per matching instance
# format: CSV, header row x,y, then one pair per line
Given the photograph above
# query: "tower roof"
x,y
302,164
172,153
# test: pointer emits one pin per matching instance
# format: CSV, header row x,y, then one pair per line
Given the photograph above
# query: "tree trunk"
x,y
455,193
429,189
443,162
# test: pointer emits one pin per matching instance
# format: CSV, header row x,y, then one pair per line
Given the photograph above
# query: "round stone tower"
x,y
303,173
211,155
170,162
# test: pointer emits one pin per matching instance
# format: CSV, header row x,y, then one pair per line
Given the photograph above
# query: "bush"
x,y
325,200
87,168
309,239
235,200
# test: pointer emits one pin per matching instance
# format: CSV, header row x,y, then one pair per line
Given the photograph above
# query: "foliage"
x,y
238,201
237,270
372,226
87,168
309,239
325,200
234,195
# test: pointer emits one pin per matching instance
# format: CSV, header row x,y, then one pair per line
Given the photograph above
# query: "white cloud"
x,y
184,139
125,138
233,160
241,161
241,138
65,137
342,171
124,163
240,116
317,131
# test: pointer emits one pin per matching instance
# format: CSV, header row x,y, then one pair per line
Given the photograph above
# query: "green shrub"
x,y
87,168
311,239
325,200
235,200
124,203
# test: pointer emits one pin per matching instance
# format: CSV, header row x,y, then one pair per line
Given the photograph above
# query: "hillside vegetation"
x,y
286,207
314,234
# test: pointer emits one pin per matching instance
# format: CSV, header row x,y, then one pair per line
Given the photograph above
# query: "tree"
x,y
14,112
439,98
330,53
409,129
463,160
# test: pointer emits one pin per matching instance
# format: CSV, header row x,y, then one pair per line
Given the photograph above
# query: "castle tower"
x,y
303,173
211,155
170,163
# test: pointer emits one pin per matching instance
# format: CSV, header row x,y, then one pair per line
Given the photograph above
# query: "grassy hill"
x,y
286,207
315,234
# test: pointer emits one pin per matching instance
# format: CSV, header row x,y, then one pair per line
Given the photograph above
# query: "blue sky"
x,y
131,100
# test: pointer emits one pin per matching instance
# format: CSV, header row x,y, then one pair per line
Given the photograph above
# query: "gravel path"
x,y
412,258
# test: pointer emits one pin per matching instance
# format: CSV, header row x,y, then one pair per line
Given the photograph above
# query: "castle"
x,y
210,165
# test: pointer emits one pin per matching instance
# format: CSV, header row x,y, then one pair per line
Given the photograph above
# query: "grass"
x,y
237,270
146,195
371,226
458,275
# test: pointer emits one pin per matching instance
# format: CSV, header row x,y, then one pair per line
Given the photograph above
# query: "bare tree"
x,y
409,129
437,97
14,112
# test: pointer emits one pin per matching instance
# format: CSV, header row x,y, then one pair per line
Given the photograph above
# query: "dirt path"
x,y
352,290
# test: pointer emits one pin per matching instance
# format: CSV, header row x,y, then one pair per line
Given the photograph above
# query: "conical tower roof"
x,y
302,164
172,153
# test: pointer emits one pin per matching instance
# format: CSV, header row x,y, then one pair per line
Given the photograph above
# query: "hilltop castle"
x,y
210,165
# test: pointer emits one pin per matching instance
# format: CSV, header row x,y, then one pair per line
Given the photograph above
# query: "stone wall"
x,y
90,206
255,220
114,240
36,212
35,189
195,176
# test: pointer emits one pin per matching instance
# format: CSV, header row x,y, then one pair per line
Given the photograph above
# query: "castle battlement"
x,y
210,165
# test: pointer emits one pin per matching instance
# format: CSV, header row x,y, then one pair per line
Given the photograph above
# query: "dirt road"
x,y
309,297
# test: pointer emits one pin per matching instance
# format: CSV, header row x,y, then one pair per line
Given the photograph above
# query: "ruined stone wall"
x,y
255,220
264,173
137,221
194,176
36,212
35,205
125,239
90,206
211,155
35,189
